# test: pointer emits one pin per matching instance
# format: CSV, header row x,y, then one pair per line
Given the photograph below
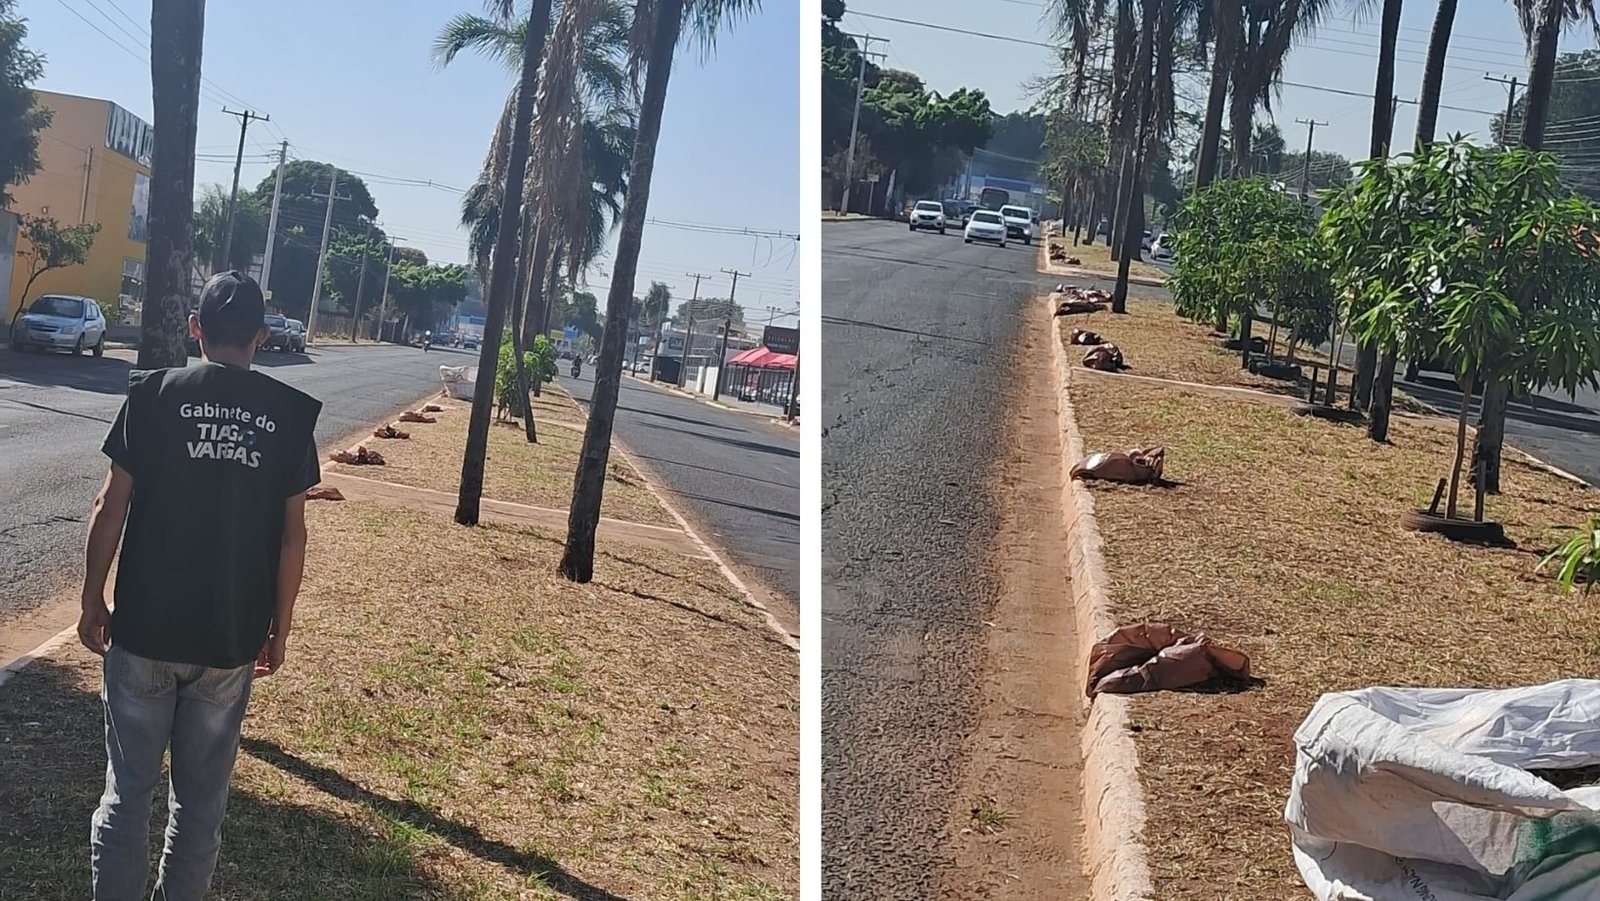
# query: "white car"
x,y
985,225
928,214
61,322
1019,222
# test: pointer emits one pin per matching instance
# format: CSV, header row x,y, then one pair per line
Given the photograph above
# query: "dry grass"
x,y
1097,258
455,722
1159,344
536,474
1282,539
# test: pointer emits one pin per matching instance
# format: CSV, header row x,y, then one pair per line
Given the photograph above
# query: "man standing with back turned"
x,y
209,470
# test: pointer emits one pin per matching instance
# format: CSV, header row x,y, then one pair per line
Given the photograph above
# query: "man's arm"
x,y
291,568
107,516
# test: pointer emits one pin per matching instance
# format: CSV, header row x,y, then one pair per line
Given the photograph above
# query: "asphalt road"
x,y
55,410
919,332
737,475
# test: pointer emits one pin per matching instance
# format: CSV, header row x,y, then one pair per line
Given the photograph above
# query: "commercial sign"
x,y
781,340
129,135
139,217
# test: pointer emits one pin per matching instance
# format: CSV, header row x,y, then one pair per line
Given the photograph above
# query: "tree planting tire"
x,y
1271,369
100,347
1464,530
1343,415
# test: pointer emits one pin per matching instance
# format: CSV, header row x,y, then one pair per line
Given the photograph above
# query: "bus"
x,y
993,198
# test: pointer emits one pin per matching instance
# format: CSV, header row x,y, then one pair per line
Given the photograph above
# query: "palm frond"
x,y
704,19
495,41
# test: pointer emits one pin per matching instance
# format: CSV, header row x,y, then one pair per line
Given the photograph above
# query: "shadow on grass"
x,y
52,752
52,755
418,816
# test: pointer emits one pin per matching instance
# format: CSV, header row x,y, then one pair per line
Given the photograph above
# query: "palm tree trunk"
x,y
1541,77
1119,213
1224,22
1444,18
178,32
523,407
502,274
1378,147
577,562
1132,213
1241,116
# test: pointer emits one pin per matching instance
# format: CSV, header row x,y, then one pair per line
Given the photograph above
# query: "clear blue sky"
x,y
1341,55
353,83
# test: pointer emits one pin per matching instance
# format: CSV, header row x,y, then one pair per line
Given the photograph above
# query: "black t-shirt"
x,y
215,451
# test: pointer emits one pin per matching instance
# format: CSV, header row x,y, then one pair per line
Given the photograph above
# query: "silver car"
x,y
61,322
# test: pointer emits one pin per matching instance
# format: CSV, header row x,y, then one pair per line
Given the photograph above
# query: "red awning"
x,y
747,357
762,358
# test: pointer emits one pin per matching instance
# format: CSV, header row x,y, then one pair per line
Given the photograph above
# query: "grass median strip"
x,y
1281,538
454,721
1097,258
539,475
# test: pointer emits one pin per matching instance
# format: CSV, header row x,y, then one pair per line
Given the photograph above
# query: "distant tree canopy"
x,y
1571,133
1328,170
910,130
580,310
21,119
300,217
211,228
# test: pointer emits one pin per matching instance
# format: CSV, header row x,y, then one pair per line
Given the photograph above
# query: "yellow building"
x,y
94,166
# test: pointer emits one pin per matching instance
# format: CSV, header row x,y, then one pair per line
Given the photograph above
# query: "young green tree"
x,y
1479,256
52,245
21,119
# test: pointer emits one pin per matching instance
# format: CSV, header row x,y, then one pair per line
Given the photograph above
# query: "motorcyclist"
x,y
427,339
577,366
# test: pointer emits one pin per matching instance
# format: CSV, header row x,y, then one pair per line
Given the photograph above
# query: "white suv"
x,y
1019,222
928,214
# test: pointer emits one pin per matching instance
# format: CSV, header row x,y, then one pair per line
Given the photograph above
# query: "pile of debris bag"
x,y
1448,794
459,381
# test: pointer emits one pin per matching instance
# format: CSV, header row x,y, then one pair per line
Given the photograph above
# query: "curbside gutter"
x,y
1115,858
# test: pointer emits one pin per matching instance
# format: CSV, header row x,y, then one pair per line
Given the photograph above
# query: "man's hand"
x,y
271,656
93,625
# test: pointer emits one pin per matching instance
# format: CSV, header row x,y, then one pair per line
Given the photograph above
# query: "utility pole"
x,y
688,335
1511,102
245,118
272,220
322,256
361,284
383,310
1305,170
855,117
727,322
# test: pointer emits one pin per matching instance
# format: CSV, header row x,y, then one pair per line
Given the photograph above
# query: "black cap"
x,y
232,300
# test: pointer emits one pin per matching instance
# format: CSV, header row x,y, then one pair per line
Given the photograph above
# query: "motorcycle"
x,y
577,368
427,341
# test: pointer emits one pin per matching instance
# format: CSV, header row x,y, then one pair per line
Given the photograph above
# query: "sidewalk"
x,y
454,717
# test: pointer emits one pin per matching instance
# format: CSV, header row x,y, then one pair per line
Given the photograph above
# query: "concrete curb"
x,y
779,421
1115,858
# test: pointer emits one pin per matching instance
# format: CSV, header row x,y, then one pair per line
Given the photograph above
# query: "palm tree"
x,y
177,32
1376,392
1215,27
1444,17
657,26
502,269
1542,21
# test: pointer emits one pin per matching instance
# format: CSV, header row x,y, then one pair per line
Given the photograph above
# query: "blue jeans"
x,y
149,705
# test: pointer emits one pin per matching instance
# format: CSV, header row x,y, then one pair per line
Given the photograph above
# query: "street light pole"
x,y
361,284
727,321
855,116
688,335
383,309
1305,169
322,257
245,117
272,220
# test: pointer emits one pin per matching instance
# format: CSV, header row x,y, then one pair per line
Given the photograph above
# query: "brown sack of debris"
x,y
1158,657
1104,357
1138,466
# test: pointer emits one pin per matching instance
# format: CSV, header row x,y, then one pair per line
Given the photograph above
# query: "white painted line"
x,y
21,663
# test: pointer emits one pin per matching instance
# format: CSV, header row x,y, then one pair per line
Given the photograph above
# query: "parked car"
x,y
1145,241
985,225
1018,221
61,322
957,211
297,336
928,214
469,342
277,333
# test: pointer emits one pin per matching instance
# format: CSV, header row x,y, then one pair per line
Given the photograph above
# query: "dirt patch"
x,y
1019,822
454,721
539,475
1281,538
